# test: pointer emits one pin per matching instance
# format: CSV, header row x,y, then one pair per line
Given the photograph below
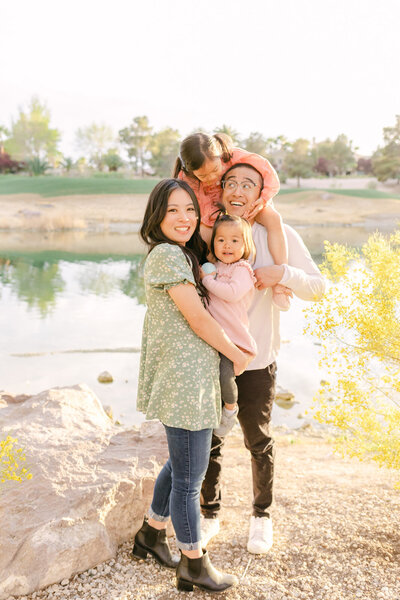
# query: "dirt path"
x,y
336,528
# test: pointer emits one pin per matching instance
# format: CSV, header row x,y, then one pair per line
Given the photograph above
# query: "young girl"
x,y
178,381
230,283
202,161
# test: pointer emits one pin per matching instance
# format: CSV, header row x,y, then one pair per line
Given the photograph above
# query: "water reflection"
x,y
39,282
133,284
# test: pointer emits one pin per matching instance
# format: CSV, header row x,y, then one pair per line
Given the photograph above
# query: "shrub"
x,y
8,165
358,324
37,166
11,458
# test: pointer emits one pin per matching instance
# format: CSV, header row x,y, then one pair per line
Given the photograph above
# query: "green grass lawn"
x,y
50,185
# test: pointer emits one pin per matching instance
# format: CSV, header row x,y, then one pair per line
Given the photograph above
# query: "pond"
x,y
76,307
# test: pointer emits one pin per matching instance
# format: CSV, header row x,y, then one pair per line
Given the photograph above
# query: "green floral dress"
x,y
179,372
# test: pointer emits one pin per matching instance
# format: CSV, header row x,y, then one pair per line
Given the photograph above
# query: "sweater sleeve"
x,y
264,167
302,274
240,283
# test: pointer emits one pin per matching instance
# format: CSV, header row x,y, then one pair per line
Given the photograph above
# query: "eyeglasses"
x,y
245,186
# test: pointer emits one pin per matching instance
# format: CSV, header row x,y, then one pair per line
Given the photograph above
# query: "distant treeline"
x,y
31,145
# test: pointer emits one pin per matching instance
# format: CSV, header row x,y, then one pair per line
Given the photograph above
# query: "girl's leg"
x,y
269,218
277,245
229,395
189,453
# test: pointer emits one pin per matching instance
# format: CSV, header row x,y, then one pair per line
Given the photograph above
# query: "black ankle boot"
x,y
200,572
155,542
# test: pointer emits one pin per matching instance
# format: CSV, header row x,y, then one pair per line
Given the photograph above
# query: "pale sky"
x,y
301,68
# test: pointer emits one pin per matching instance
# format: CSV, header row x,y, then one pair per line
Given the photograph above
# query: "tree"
x,y
4,134
164,148
325,166
339,155
137,139
358,326
364,165
112,160
31,136
228,130
93,141
386,160
67,163
256,143
298,162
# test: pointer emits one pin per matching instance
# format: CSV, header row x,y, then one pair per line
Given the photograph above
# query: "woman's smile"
x,y
180,219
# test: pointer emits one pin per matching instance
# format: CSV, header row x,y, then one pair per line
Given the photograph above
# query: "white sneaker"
x,y
260,535
209,528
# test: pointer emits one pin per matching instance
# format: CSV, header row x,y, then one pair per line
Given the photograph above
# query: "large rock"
x,y
92,483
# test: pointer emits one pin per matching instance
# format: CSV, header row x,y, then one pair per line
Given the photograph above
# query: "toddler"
x,y
230,284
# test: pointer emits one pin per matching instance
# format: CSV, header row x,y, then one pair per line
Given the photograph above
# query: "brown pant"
x,y
256,394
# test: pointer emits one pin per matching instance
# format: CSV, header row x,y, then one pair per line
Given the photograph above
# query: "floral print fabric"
x,y
179,372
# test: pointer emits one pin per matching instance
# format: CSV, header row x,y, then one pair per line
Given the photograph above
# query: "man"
x,y
242,185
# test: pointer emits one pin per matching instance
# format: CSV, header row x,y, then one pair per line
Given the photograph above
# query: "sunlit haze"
x,y
301,68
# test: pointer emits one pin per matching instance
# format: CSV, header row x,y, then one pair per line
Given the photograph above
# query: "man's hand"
x,y
268,276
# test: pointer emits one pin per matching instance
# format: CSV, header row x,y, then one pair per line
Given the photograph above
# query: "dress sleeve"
x,y
166,266
267,171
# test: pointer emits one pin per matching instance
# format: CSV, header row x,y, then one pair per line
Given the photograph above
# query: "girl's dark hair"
x,y
196,148
195,249
249,246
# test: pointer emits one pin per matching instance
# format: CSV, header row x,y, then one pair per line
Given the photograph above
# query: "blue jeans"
x,y
177,488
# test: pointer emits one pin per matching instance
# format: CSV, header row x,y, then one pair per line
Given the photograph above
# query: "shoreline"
x,y
22,211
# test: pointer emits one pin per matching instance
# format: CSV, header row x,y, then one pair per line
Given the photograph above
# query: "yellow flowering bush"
x,y
358,325
11,461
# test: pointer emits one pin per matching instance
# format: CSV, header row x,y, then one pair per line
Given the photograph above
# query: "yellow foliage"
x,y
358,325
11,458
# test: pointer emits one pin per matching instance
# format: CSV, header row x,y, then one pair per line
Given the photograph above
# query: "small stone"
x,y
65,582
109,412
105,377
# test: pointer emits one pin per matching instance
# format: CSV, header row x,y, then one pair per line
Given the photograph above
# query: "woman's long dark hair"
x,y
195,249
197,147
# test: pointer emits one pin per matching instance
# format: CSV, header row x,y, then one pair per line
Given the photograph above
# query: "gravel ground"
x,y
336,528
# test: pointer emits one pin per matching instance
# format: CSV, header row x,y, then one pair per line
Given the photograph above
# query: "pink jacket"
x,y
231,291
208,196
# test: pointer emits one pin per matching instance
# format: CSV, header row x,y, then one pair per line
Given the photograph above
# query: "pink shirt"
x,y
231,291
209,195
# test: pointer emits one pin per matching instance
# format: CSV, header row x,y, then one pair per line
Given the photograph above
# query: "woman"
x,y
179,380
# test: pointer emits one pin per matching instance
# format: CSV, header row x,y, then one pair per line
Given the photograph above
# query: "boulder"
x,y
92,483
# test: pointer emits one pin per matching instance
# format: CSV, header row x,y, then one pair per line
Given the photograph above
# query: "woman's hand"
x,y
242,361
268,276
